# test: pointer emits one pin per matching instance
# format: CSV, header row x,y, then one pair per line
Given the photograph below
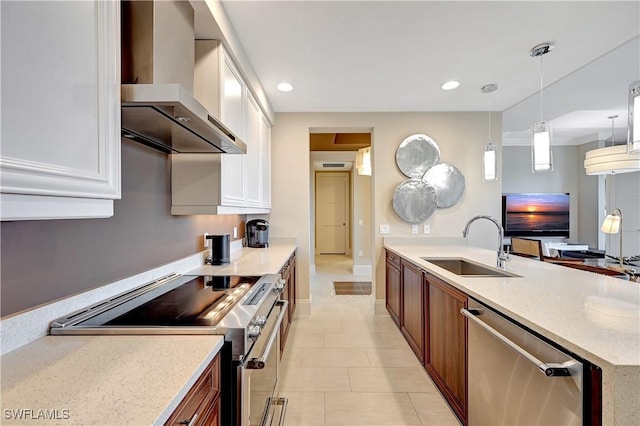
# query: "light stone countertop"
x,y
592,315
102,380
253,261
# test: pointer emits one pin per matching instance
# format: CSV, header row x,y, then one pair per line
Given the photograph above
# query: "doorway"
x,y
332,212
341,228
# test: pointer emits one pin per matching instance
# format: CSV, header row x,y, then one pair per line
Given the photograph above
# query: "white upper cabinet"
x,y
265,162
222,183
252,159
60,146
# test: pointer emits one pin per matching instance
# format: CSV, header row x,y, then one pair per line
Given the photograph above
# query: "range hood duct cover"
x,y
158,106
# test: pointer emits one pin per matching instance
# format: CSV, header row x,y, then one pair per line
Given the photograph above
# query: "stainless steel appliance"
x,y
258,233
157,95
246,310
220,249
516,377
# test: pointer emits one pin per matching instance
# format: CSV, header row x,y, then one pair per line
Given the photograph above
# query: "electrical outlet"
x,y
235,232
360,222
360,253
414,229
206,242
427,229
384,229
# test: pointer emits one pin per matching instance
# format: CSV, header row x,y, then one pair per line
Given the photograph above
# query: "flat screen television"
x,y
535,215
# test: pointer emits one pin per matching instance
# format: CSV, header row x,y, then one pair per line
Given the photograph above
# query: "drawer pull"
x,y
189,422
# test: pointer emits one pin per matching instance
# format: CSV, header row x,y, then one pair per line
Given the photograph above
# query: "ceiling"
x,y
394,56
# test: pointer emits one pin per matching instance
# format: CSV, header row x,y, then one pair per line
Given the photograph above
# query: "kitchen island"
x,y
594,316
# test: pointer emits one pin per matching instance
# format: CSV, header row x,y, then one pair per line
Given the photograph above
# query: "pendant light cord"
x,y
541,86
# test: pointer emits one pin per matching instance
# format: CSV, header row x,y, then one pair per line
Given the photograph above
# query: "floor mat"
x,y
352,288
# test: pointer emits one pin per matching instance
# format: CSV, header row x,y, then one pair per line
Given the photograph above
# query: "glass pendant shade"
x,y
633,138
489,160
541,148
363,161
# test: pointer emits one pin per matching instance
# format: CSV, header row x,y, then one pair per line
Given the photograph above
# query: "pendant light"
x,y
489,158
633,138
541,157
611,159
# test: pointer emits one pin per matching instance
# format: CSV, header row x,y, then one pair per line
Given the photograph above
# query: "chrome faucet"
x,y
502,256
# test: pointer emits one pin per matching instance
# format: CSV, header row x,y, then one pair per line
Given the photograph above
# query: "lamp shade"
x,y
611,160
611,224
541,148
363,161
489,168
633,138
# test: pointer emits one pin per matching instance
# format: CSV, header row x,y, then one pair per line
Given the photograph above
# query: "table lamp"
x,y
612,224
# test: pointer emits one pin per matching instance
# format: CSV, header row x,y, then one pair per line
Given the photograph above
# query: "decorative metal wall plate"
x,y
448,183
414,200
416,154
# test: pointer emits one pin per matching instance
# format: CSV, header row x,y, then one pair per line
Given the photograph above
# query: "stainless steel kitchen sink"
x,y
467,268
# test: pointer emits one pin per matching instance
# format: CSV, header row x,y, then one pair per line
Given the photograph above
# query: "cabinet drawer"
x,y
200,398
393,259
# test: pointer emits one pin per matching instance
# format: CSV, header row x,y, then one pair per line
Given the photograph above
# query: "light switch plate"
x,y
235,232
384,229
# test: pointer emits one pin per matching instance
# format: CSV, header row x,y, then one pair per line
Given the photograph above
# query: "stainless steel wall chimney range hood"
x,y
158,106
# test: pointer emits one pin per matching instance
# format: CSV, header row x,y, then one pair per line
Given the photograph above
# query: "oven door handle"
x,y
259,363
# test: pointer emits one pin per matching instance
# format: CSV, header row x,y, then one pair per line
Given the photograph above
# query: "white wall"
x,y
460,136
517,177
591,199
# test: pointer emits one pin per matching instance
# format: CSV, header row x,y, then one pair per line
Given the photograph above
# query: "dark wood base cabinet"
x,y
201,406
413,304
446,353
393,288
427,311
288,273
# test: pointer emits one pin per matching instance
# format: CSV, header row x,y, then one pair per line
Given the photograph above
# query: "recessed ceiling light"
x,y
450,85
284,87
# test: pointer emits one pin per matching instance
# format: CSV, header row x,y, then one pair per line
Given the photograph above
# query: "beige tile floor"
x,y
344,366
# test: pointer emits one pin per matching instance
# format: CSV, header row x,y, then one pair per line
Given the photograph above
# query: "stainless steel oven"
x,y
246,310
258,375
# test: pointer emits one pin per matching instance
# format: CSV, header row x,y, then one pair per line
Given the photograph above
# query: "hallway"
x,y
343,366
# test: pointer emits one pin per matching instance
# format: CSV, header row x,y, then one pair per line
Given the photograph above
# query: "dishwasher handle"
x,y
549,369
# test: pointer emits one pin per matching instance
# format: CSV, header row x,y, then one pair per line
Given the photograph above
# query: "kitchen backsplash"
x,y
43,261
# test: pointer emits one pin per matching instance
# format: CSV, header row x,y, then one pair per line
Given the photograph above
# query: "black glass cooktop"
x,y
202,300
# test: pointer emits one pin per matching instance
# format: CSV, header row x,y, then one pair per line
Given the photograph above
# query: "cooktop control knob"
x,y
259,320
279,285
253,332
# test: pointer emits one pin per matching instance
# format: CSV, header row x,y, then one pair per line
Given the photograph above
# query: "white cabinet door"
x,y
252,159
60,152
265,162
233,165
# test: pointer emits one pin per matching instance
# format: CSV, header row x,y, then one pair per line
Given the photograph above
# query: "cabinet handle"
x,y
189,422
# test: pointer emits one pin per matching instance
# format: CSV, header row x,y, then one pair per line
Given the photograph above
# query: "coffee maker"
x,y
258,233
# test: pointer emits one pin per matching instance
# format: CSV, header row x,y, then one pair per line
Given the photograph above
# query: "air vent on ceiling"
x,y
332,165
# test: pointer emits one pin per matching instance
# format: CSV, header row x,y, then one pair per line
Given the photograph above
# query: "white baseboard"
x,y
380,308
362,270
303,307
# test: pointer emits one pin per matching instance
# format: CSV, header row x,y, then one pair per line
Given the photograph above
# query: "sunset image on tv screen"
x,y
537,213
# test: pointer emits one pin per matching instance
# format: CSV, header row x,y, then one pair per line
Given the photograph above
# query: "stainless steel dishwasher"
x,y
517,378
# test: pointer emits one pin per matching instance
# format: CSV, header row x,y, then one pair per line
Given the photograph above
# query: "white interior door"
x,y
332,207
